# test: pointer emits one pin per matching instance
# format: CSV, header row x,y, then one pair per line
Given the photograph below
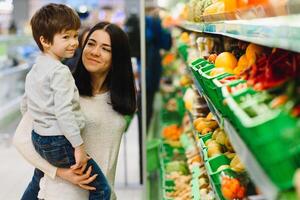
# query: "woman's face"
x,y
96,55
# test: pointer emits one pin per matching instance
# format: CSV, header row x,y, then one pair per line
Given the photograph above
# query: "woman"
x,y
105,82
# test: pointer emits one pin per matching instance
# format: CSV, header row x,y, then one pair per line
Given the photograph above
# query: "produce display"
x,y
226,93
214,10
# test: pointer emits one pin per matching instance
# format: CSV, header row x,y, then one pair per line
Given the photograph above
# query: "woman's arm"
x,y
77,176
22,142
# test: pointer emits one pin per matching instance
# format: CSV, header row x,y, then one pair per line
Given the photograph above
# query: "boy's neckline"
x,y
51,57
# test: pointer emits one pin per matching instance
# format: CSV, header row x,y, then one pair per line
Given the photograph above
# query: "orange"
x,y
253,51
227,61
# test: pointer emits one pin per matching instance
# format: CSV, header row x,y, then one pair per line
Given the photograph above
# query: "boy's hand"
x,y
81,157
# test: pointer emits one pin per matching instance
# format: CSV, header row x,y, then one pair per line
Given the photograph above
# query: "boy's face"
x,y
64,45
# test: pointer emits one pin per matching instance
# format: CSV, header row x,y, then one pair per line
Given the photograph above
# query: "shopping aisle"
x,y
127,181
15,172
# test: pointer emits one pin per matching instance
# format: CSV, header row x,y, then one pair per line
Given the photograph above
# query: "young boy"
x,y
52,98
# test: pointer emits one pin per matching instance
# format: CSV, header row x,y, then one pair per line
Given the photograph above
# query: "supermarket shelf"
x,y
281,32
253,168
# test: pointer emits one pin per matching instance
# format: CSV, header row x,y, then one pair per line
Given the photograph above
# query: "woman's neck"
x,y
98,83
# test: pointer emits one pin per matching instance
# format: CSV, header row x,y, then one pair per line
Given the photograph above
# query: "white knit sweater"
x,y
102,137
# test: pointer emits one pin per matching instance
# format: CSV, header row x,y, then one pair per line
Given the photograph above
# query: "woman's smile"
x,y
93,60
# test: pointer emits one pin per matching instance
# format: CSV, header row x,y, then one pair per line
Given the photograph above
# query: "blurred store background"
x,y
17,53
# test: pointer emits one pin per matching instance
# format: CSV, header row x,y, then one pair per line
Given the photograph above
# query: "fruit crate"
x,y
225,93
272,136
203,66
168,186
208,85
175,116
200,73
212,166
153,162
216,93
168,117
165,190
204,139
231,102
170,153
195,65
165,156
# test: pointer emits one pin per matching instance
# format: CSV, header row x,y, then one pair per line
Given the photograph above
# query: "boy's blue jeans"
x,y
58,151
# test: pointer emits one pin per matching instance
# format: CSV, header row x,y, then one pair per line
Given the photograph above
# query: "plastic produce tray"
x,y
212,166
216,93
204,139
272,136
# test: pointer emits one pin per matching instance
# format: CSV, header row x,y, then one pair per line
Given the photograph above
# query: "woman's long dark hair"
x,y
120,79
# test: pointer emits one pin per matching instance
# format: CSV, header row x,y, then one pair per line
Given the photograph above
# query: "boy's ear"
x,y
44,43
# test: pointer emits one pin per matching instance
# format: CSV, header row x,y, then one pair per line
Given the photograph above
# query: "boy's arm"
x,y
23,105
62,85
22,142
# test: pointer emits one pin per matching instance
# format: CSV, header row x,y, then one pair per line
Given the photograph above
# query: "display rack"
x,y
256,172
281,31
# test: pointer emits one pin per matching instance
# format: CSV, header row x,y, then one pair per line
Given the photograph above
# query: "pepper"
x,y
296,111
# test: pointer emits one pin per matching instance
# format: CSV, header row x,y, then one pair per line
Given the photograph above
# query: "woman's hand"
x,y
77,177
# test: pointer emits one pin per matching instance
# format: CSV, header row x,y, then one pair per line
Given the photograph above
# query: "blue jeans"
x,y
58,151
33,187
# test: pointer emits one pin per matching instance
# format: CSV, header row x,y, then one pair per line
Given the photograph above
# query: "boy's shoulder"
x,y
47,62
47,67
